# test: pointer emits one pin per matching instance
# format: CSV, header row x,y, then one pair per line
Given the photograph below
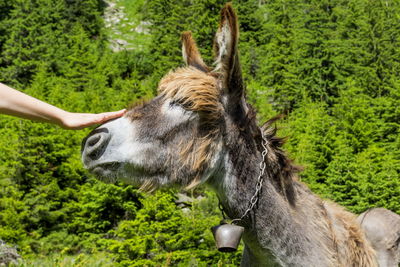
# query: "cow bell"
x,y
227,236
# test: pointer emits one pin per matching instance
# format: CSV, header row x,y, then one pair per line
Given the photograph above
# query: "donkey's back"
x,y
382,229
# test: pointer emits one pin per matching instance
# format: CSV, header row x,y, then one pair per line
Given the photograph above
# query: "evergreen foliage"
x,y
332,67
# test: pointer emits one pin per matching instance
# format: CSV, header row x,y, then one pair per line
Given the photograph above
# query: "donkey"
x,y
200,129
382,229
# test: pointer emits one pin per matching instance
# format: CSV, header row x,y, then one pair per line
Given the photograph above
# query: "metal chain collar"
x,y
254,198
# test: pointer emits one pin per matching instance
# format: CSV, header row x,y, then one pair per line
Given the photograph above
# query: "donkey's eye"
x,y
186,106
181,104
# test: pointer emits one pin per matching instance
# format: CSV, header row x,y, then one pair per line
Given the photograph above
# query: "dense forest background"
x,y
332,67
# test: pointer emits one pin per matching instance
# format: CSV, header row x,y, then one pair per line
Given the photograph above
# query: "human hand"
x,y
75,121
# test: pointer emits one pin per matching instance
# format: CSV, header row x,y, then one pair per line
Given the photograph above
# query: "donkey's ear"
x,y
191,54
227,55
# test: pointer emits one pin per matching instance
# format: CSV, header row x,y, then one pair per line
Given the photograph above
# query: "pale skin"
x,y
16,103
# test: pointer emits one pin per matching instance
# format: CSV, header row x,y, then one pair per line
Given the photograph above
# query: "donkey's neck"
x,y
275,230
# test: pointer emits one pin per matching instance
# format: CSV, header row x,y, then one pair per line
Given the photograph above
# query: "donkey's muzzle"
x,y
94,145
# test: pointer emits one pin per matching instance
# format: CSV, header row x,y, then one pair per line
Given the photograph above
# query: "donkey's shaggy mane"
x,y
286,171
194,90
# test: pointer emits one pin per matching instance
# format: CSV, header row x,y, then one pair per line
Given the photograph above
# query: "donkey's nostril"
x,y
93,140
96,144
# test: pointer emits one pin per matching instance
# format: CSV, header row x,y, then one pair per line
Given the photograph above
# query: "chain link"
x,y
254,198
221,209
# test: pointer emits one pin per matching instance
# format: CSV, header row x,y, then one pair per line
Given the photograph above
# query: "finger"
x,y
111,115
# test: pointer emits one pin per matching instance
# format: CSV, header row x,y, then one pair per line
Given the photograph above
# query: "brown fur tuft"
x,y
354,247
133,109
195,91
148,186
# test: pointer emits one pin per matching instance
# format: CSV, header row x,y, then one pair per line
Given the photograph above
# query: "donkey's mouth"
x,y
110,172
105,170
106,165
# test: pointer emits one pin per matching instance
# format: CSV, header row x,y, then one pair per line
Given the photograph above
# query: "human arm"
x,y
15,103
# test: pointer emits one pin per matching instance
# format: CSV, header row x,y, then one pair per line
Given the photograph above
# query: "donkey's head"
x,y
180,136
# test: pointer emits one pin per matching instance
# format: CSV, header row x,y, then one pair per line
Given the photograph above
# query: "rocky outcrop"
x,y
8,254
117,22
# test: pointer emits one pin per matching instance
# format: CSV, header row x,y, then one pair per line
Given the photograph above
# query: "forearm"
x,y
13,102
